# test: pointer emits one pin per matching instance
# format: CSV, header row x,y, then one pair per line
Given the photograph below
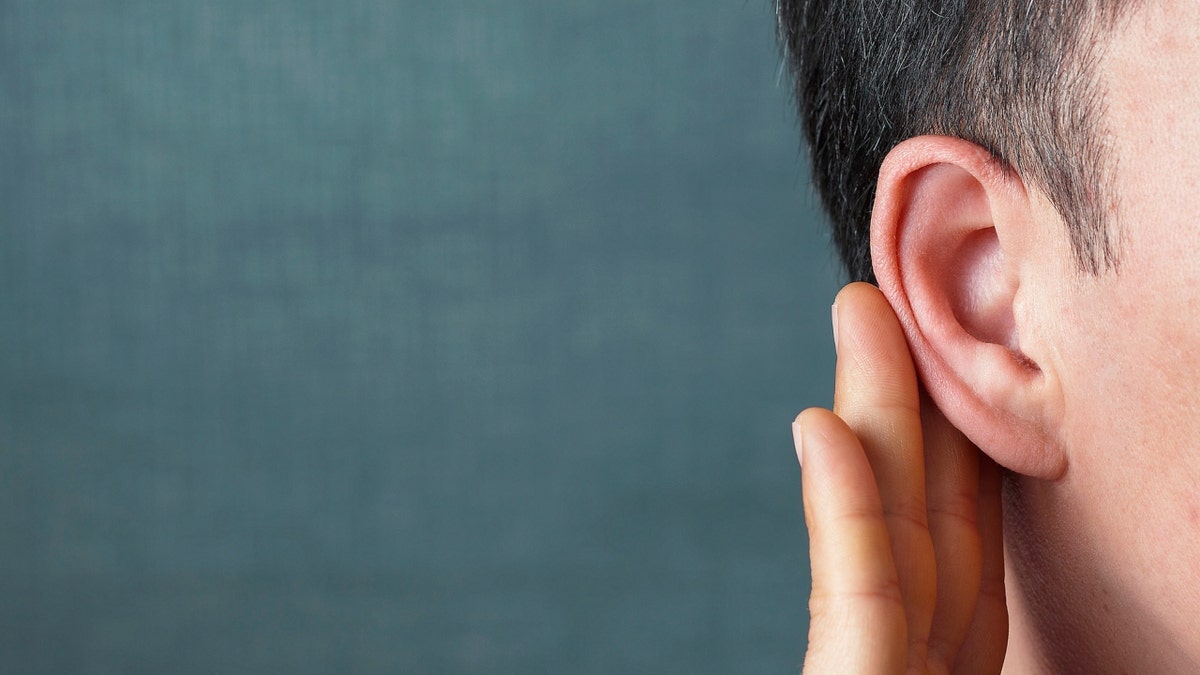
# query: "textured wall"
x,y
456,336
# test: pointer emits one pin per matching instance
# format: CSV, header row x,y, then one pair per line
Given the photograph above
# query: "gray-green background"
x,y
367,336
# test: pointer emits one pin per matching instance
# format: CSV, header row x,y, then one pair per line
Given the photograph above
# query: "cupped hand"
x,y
903,516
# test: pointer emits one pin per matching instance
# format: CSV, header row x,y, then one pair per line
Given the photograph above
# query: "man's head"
x,y
990,169
1016,77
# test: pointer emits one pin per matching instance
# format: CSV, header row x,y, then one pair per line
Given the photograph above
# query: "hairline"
x,y
1059,142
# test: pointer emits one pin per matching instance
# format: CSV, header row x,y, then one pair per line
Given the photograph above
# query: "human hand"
x,y
903,516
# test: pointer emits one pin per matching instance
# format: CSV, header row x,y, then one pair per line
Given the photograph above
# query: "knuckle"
x,y
908,512
884,592
957,509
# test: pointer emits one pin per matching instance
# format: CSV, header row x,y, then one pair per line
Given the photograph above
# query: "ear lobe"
x,y
949,231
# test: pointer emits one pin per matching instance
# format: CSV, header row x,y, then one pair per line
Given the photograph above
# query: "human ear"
x,y
951,232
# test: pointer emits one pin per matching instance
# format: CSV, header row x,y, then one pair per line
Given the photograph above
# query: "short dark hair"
x,y
1013,76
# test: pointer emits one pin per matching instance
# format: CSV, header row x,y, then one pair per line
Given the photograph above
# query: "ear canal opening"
x,y
1025,362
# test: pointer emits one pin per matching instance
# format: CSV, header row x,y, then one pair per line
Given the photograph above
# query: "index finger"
x,y
877,395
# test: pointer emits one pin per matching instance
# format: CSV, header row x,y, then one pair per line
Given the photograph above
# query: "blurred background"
x,y
420,337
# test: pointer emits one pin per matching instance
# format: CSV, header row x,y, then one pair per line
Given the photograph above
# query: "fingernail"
x,y
798,439
833,313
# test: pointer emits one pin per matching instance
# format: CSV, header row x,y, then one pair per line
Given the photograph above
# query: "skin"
x,y
893,496
889,495
923,558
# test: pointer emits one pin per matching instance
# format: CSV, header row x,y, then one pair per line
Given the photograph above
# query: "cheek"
x,y
1121,362
1131,377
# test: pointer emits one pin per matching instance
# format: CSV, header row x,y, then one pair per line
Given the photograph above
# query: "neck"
x,y
1067,612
